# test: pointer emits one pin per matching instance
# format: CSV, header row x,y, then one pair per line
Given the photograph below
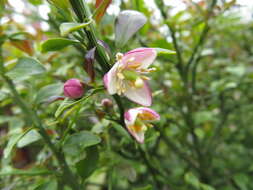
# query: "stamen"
x,y
119,56
131,59
149,125
148,70
152,69
138,83
145,78
144,128
120,76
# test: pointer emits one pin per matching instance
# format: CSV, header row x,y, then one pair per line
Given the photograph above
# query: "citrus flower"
x,y
128,75
138,120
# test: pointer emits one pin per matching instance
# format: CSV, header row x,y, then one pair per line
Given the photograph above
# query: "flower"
x,y
73,88
127,76
138,120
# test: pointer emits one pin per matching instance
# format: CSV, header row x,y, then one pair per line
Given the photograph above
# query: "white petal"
x,y
138,136
142,96
130,116
110,79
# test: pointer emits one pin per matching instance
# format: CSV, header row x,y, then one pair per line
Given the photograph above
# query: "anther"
x,y
119,56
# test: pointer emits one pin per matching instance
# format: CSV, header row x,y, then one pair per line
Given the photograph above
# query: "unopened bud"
x,y
107,103
73,88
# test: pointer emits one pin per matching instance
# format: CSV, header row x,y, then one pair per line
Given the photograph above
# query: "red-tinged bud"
x,y
73,88
107,103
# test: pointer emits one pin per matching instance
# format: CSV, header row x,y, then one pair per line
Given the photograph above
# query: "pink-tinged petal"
x,y
148,114
130,116
138,136
110,79
142,96
141,57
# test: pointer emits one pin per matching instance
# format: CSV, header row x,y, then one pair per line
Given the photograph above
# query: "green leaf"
x,y
26,67
49,185
36,2
69,103
242,181
64,4
147,187
28,138
121,130
87,166
13,141
63,106
192,180
19,36
206,187
29,172
68,27
48,91
162,51
76,143
56,44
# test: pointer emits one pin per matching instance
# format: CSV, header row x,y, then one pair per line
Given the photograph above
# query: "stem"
x,y
176,150
83,13
152,170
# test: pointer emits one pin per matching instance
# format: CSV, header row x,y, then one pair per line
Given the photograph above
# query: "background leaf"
x,y
55,44
86,166
26,67
48,91
76,143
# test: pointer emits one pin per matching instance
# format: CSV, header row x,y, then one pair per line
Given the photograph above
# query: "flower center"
x,y
129,74
141,125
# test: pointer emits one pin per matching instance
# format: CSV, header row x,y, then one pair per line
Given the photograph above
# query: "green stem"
x,y
177,151
83,13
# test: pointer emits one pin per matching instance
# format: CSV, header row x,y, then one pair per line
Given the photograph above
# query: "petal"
x,y
143,57
130,116
148,114
110,79
138,136
142,96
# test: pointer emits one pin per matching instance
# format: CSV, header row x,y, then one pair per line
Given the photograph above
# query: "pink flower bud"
x,y
73,88
107,103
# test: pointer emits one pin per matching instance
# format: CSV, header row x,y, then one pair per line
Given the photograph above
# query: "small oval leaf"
x,y
48,91
55,44
26,67
69,27
77,142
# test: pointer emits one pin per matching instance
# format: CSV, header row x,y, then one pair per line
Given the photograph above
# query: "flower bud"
x,y
107,103
73,88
